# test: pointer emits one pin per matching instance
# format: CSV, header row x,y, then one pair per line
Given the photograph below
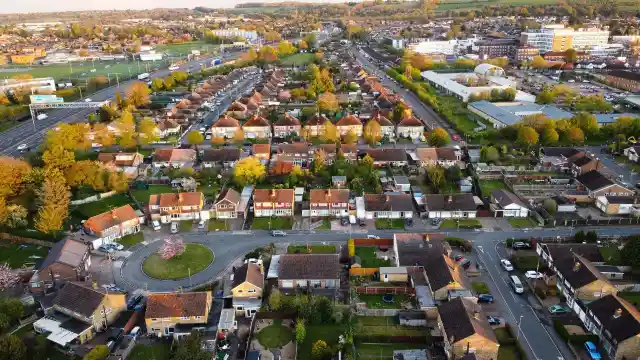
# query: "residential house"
x,y
349,123
445,157
167,128
440,206
384,157
112,225
314,271
558,157
552,253
316,125
616,205
329,202
68,260
175,314
79,312
598,185
504,203
617,324
225,127
578,279
176,207
246,287
238,110
273,202
465,330
257,127
262,152
296,153
349,151
387,129
287,125
388,206
223,158
227,204
410,127
632,153
584,164
175,158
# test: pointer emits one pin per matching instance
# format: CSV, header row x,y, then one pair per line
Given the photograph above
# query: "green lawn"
x,y
519,223
315,249
611,255
275,336
132,240
488,186
328,333
367,255
461,224
142,195
18,255
92,209
184,48
632,297
390,224
508,352
376,302
277,223
386,325
186,226
217,225
196,258
76,70
326,225
383,351
524,263
480,287
150,352
298,59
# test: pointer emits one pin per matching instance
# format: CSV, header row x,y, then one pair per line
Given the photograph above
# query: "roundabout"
x,y
196,258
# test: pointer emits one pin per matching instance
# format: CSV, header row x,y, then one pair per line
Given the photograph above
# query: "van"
x,y
516,284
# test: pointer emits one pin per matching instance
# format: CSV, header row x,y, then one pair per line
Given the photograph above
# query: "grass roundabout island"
x,y
196,257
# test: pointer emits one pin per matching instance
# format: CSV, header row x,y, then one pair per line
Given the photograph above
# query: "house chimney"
x,y
576,266
618,313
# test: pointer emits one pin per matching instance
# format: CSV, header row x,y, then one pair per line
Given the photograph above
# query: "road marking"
x,y
480,248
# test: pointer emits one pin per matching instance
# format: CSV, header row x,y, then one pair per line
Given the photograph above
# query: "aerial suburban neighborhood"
x,y
366,180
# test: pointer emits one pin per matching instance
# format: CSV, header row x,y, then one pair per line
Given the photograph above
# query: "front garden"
x,y
272,223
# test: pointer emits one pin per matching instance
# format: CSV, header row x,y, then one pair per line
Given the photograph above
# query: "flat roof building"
x,y
509,113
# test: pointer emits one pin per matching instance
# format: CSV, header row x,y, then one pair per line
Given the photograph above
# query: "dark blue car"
x,y
485,298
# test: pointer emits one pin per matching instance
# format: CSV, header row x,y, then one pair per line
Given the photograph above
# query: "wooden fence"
x,y
377,290
24,240
373,242
362,271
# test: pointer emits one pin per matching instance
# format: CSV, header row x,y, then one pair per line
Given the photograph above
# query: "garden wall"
x,y
373,242
364,311
24,240
356,271
93,198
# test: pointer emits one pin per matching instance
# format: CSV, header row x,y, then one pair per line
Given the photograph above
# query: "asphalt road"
x,y
26,134
608,160
425,112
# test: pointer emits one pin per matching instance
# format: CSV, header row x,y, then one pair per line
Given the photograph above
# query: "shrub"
x,y
460,243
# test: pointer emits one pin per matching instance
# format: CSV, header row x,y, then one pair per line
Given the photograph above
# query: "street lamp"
x,y
519,324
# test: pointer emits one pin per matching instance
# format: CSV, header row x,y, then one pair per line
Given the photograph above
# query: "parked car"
x,y
485,298
106,249
593,352
174,227
22,148
493,320
558,309
455,138
278,233
506,264
116,246
458,258
133,301
156,225
202,224
465,263
531,274
373,237
519,245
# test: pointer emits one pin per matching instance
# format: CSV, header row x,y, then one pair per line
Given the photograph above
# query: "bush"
x,y
460,243
575,339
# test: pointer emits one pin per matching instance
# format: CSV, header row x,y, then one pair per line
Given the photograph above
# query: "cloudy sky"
x,y
73,5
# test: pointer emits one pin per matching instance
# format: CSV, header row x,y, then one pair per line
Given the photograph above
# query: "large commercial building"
x,y
510,113
447,47
493,48
559,38
39,84
249,35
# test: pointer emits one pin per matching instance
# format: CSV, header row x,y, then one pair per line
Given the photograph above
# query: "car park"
x,y
558,309
485,298
593,352
506,264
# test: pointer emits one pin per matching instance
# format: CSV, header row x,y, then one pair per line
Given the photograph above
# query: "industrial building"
x,y
510,113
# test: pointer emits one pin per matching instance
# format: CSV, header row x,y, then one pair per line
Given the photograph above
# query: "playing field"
x,y
81,70
185,48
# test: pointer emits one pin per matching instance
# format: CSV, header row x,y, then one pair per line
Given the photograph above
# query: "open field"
x,y
76,70
298,59
184,48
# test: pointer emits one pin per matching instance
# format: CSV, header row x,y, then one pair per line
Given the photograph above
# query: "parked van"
x,y
516,284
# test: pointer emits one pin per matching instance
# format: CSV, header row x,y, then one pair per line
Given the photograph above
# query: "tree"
x,y
351,245
118,181
453,173
527,136
319,160
249,171
275,300
12,347
439,137
238,136
147,131
16,216
171,247
575,136
285,48
157,84
436,174
330,132
372,132
102,135
58,158
550,206
350,137
550,136
302,45
538,62
570,56
545,97
217,140
4,211
489,154
195,137
319,349
126,128
53,198
328,102
138,94
585,121
99,352
168,82
8,277
631,252
301,331
14,173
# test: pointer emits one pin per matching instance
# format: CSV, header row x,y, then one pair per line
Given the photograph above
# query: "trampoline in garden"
x,y
388,299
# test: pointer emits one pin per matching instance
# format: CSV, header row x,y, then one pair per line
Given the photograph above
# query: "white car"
x,y
117,246
87,100
373,237
174,227
22,147
533,275
506,264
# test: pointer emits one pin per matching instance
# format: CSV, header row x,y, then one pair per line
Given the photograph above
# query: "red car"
x,y
455,138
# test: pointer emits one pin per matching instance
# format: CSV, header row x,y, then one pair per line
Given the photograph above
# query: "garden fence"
x,y
377,290
93,198
363,311
373,242
356,271
20,239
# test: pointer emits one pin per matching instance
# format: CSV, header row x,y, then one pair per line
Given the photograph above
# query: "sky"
x,y
23,6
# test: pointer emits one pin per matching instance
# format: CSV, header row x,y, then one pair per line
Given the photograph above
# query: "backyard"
x,y
461,224
383,351
195,258
632,297
142,195
150,352
398,301
386,326
328,333
521,223
313,249
272,223
299,59
18,255
275,335
489,186
508,345
611,255
86,211
368,259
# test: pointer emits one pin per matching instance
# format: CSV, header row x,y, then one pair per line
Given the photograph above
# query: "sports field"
x,y
185,48
81,70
